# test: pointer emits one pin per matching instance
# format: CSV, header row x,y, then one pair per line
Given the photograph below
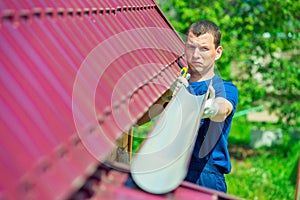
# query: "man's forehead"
x,y
207,37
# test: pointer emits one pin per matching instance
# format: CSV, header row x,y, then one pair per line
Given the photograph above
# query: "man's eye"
x,y
191,46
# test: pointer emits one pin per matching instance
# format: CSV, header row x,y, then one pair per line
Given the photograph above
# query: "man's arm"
x,y
217,109
225,108
156,108
159,105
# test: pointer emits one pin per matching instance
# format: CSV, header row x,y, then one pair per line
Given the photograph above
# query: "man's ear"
x,y
219,51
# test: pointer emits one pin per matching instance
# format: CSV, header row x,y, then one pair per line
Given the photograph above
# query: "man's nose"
x,y
196,52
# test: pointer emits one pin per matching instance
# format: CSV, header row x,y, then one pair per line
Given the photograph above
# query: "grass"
x,y
261,174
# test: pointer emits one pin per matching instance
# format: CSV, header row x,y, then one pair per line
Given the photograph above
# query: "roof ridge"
x,y
15,15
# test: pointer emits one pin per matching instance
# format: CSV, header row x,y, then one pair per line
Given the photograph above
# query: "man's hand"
x,y
211,107
177,85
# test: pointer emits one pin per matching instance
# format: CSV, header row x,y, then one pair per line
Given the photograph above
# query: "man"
x,y
210,158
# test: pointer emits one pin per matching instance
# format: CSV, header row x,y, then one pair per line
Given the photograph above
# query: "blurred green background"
x,y
261,55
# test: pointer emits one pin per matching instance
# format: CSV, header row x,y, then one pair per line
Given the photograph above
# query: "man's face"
x,y
201,53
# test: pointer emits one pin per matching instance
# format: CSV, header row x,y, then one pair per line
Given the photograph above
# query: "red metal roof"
x,y
74,76
74,70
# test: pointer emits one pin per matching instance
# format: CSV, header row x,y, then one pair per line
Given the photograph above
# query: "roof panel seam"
x,y
12,15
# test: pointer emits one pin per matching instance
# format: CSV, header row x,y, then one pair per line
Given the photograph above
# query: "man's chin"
x,y
196,69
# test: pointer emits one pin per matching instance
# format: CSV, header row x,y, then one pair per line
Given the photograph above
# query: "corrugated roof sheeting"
x,y
74,76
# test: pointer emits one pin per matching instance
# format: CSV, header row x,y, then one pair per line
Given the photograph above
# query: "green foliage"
x,y
140,134
240,132
261,42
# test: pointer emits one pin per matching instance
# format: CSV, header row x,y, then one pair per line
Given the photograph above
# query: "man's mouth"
x,y
196,62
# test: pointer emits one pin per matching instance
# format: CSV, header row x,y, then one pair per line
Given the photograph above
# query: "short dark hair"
x,y
205,26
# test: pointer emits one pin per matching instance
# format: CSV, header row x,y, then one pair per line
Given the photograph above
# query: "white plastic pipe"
x,y
161,163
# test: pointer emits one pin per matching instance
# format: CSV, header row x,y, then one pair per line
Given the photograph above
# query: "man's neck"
x,y
201,77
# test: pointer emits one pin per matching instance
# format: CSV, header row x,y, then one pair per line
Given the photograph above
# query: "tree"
x,y
261,42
